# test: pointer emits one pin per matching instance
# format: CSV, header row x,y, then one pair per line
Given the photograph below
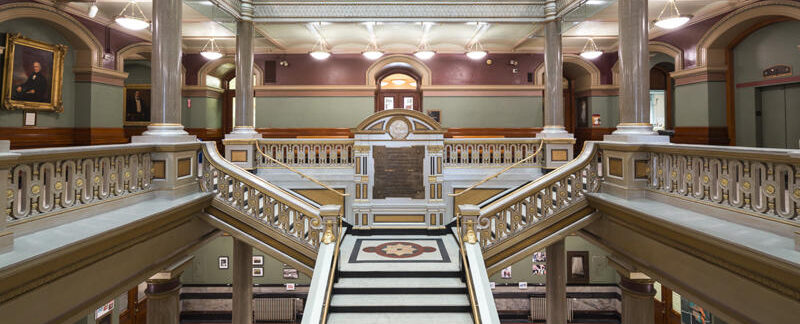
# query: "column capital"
x,y
172,272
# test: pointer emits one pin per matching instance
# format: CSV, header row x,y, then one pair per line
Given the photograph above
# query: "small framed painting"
x,y
258,260
222,262
539,256
436,115
523,285
290,286
505,273
290,273
258,272
29,119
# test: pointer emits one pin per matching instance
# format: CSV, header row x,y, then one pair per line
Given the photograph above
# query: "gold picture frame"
x,y
132,118
33,59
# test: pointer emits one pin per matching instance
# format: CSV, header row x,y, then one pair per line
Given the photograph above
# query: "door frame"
x,y
394,70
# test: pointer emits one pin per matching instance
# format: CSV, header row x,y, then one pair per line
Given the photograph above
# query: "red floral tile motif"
x,y
399,250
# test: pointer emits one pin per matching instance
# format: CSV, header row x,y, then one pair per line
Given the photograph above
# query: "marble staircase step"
x,y
400,318
415,303
396,274
400,286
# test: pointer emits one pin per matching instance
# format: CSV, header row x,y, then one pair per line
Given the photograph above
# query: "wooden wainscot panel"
x,y
491,132
159,169
238,155
184,167
305,132
615,167
701,135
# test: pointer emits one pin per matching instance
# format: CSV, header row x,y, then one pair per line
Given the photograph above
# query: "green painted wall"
x,y
37,30
205,113
311,112
205,269
769,46
100,105
700,104
138,72
608,108
487,112
599,270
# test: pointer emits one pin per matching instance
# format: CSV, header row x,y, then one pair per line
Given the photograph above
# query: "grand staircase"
x,y
388,277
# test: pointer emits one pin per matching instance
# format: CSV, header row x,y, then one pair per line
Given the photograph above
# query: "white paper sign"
x,y
523,285
388,102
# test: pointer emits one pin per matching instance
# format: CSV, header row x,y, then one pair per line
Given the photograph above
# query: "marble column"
x,y
637,301
165,74
163,294
556,284
244,123
242,283
634,67
553,72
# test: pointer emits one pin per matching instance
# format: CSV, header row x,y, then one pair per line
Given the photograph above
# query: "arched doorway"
x,y
661,95
398,86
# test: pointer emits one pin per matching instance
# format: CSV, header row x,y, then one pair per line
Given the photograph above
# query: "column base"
x,y
558,146
636,133
243,132
164,134
554,132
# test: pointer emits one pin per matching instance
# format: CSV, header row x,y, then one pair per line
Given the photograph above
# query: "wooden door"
x,y
227,111
136,312
664,313
399,99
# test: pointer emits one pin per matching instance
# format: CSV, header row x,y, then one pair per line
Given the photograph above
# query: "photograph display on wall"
x,y
258,260
222,262
136,106
539,270
29,118
32,74
258,272
290,273
578,267
436,115
505,273
539,257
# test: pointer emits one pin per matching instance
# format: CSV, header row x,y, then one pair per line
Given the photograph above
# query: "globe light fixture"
x,y
319,51
670,17
590,50
131,17
424,54
372,54
211,50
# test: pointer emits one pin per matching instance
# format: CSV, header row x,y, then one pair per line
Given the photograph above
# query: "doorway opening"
x,y
777,113
398,88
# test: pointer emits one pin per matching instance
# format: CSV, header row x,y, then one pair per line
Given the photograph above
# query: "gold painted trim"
x,y
398,218
59,51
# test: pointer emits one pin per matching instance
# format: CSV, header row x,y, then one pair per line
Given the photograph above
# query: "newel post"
x,y
6,236
330,220
469,218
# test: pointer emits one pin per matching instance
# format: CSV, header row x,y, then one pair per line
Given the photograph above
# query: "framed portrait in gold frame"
x,y
136,106
33,75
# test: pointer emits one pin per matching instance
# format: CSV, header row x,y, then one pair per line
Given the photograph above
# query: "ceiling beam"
x,y
272,41
534,29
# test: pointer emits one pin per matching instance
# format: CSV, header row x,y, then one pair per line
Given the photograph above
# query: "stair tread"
x,y
390,300
400,283
400,318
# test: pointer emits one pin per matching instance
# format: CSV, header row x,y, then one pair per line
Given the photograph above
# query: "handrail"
x,y
538,150
301,174
467,273
332,275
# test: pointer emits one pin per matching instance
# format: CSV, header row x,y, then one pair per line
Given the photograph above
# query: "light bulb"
x,y
93,11
320,55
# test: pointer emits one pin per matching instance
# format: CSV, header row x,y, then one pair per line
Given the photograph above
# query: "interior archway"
x,y
398,86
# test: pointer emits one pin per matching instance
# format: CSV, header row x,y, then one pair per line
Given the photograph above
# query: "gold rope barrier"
x,y
538,150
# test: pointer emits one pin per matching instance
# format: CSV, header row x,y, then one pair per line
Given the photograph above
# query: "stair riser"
x,y
405,274
399,309
399,291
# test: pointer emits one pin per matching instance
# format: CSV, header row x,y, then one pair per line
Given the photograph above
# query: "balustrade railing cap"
x,y
330,210
469,210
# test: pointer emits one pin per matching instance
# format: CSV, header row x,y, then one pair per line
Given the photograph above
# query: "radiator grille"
x,y
274,309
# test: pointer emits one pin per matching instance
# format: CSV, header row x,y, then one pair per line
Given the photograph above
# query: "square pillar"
x,y
163,294
242,283
556,283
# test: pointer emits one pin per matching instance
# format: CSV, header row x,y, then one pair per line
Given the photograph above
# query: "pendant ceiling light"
x,y
211,50
590,50
372,52
132,17
476,51
319,52
670,17
93,10
424,51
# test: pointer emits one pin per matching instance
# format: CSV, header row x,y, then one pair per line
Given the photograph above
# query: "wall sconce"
x,y
284,63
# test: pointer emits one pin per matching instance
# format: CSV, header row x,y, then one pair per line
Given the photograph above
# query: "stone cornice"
x,y
100,75
697,75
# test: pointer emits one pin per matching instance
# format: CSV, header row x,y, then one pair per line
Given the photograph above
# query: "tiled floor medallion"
x,y
399,250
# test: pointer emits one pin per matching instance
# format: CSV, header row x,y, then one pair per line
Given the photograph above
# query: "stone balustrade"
x,y
490,152
306,152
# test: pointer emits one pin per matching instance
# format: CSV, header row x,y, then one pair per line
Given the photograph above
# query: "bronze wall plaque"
x,y
399,172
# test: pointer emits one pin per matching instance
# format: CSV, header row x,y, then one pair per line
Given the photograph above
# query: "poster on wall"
x,y
539,257
32,74
583,112
290,273
136,106
505,273
436,115
539,270
222,262
692,313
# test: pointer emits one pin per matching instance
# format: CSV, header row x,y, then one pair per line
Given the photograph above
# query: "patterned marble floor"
x,y
399,253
